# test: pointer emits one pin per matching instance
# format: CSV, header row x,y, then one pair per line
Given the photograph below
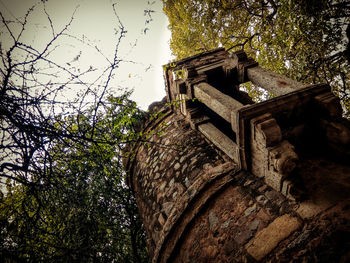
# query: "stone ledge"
x,y
310,208
268,238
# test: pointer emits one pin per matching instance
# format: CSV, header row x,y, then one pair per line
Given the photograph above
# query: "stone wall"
x,y
196,206
276,188
248,222
168,172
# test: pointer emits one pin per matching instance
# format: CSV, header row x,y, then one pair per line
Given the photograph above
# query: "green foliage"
x,y
304,40
84,212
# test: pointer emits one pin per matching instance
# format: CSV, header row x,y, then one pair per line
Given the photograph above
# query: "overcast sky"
x,y
146,45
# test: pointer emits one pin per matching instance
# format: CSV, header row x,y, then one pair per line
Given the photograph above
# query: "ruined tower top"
x,y
229,179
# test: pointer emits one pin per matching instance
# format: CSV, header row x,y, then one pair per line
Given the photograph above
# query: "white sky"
x,y
95,21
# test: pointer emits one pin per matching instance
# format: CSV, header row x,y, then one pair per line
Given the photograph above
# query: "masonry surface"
x,y
275,188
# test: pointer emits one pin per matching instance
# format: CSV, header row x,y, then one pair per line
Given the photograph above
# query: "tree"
x,y
301,39
60,155
34,96
85,213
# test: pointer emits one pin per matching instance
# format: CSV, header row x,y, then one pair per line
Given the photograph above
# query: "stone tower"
x,y
224,179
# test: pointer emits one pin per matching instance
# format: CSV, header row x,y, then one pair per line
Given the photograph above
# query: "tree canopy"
x,y
305,40
84,212
63,194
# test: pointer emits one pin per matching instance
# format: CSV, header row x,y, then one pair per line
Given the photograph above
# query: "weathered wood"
x,y
275,83
219,102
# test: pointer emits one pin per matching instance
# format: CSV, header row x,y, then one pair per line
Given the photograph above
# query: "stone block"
x,y
160,195
174,195
274,180
220,169
177,166
169,192
167,207
310,208
184,168
283,158
331,104
336,132
243,236
157,176
162,186
226,223
250,210
180,188
161,219
268,133
259,162
213,220
187,182
287,187
210,252
268,238
254,225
